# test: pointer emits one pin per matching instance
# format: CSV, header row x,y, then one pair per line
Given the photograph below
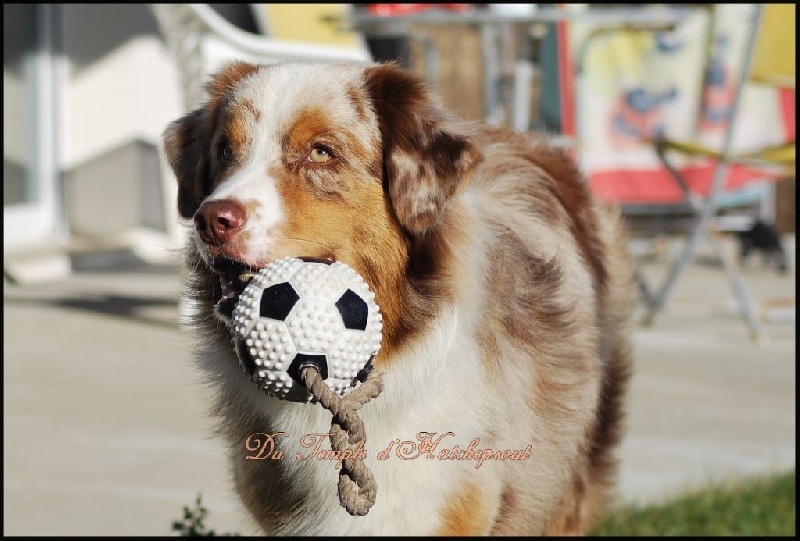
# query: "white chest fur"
x,y
432,389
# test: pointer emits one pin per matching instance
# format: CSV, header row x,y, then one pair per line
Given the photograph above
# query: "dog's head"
x,y
344,161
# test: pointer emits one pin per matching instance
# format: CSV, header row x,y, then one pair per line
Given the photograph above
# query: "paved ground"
x,y
104,421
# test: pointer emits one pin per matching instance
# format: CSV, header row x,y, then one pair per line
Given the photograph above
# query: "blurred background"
x,y
88,90
105,429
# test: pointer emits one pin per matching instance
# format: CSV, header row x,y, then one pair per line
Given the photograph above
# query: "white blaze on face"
x,y
256,190
267,106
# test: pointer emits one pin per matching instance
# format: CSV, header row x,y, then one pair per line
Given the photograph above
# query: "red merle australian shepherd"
x,y
504,289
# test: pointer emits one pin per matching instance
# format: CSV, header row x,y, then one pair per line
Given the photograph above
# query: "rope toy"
x,y
357,487
307,330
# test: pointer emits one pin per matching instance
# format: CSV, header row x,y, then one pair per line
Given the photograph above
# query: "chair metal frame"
x,y
703,209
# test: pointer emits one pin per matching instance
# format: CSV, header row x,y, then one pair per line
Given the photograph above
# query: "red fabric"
x,y
391,10
565,80
657,186
651,183
787,98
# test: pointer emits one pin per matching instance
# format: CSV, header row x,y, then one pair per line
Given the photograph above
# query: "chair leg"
x,y
657,300
743,298
644,287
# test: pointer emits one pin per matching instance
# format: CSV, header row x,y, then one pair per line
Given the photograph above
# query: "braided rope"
x,y
357,487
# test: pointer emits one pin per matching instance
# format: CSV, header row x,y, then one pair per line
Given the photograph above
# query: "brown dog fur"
x,y
505,289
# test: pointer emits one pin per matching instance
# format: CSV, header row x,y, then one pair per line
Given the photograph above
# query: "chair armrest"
x,y
258,46
661,145
200,40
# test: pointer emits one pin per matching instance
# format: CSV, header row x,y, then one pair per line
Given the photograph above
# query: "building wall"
x,y
18,41
121,89
15,139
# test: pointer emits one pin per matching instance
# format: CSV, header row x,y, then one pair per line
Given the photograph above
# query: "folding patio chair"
x,y
768,60
643,101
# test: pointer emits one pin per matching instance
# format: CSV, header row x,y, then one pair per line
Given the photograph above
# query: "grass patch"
x,y
756,506
761,506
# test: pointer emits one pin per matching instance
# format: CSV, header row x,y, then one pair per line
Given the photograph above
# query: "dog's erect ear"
x,y
187,146
427,153
187,141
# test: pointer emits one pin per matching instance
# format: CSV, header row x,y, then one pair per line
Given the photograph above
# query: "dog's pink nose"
x,y
219,221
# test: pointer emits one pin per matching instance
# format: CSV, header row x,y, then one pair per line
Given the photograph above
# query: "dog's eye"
x,y
226,154
320,154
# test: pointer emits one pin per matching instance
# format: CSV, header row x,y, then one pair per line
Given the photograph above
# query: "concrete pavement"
x,y
105,429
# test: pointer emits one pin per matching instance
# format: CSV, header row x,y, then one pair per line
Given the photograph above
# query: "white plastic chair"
x,y
202,41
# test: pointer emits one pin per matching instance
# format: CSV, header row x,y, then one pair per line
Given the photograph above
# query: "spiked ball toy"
x,y
297,313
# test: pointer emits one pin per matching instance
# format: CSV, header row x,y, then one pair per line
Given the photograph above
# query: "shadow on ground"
x,y
129,307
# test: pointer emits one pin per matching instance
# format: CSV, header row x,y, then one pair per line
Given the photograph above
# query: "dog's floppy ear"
x,y
187,146
426,152
187,141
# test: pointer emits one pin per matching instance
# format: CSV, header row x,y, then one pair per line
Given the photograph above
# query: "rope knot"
x,y
357,489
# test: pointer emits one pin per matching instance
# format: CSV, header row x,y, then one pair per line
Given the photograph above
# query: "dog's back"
x,y
560,282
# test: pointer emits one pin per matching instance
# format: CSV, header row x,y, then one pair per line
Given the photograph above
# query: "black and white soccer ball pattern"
x,y
306,312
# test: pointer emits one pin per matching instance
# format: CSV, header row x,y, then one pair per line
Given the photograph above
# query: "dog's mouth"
x,y
233,278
